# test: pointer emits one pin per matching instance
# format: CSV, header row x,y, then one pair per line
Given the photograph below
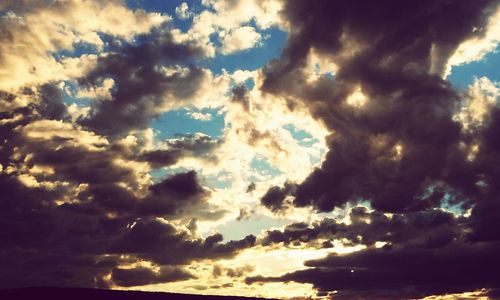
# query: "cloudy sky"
x,y
327,148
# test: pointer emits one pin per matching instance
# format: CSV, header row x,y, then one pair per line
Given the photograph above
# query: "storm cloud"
x,y
421,254
78,245
352,139
401,273
396,142
172,150
149,77
404,140
79,208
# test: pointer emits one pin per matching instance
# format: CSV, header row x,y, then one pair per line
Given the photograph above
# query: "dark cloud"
x,y
191,145
240,271
182,185
427,229
163,244
149,75
404,141
107,184
7,100
52,104
169,197
94,167
424,253
402,273
225,285
145,276
173,194
217,271
47,104
198,144
240,95
245,213
45,244
251,187
232,272
70,222
78,207
265,138
29,268
403,150
274,198
161,158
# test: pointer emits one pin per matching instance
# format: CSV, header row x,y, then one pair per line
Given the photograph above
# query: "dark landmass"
x,y
49,293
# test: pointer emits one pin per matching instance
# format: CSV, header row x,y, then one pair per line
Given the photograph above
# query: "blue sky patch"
x,y
463,76
251,59
176,122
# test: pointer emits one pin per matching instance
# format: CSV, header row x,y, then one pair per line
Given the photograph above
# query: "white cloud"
x,y
200,116
101,92
227,16
47,129
476,48
231,14
239,39
239,76
32,31
482,95
211,93
182,11
320,64
258,133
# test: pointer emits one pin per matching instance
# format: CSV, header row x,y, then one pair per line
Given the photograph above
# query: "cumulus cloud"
x,y
239,39
395,273
401,139
170,151
182,11
476,47
91,196
403,250
149,81
77,197
33,30
229,20
85,238
481,97
200,116
144,276
430,229
399,143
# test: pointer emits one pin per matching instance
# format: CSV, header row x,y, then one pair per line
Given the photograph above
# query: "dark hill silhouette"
x,y
49,293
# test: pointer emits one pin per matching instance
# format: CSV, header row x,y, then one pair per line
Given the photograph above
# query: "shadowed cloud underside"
x,y
325,149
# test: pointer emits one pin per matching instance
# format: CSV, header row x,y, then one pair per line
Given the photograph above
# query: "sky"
x,y
327,149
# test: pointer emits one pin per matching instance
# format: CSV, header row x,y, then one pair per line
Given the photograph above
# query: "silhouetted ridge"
x,y
98,294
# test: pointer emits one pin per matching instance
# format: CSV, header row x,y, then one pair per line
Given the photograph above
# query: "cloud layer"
x,y
98,187
397,142
79,207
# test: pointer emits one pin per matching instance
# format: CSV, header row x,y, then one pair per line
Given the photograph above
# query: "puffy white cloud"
x,y
230,14
200,116
476,48
481,97
74,136
102,92
182,11
226,17
239,39
32,31
318,65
